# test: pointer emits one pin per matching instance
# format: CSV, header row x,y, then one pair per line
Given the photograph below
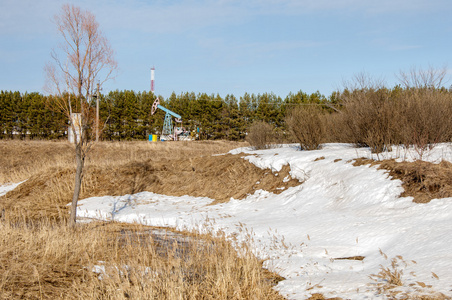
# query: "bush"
x,y
306,125
380,118
260,135
372,115
425,118
369,118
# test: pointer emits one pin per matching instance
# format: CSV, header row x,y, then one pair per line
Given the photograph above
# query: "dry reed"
x,y
391,282
186,168
41,258
45,260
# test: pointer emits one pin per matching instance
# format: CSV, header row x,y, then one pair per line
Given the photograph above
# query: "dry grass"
x,y
50,261
41,258
174,169
391,282
19,160
318,296
421,180
389,277
22,159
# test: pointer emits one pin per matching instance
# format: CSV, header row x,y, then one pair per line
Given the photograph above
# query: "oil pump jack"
x,y
169,133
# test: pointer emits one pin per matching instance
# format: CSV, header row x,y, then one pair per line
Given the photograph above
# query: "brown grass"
x,y
22,159
19,160
50,261
41,258
390,279
126,168
319,296
421,180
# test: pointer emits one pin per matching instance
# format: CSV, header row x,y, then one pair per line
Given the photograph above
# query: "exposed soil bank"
x,y
217,177
421,180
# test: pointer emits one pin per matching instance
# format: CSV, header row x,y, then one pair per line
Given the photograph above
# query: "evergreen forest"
x,y
126,115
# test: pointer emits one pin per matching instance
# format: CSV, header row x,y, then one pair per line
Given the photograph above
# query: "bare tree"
x,y
84,59
363,81
423,78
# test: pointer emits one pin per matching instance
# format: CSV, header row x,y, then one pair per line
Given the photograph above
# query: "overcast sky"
x,y
236,46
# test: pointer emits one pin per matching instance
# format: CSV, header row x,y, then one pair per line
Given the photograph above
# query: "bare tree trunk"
x,y
88,52
78,183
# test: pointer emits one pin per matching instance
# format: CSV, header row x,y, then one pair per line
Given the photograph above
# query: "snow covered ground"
x,y
8,187
340,211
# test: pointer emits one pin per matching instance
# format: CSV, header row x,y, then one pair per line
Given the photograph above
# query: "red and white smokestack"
x,y
152,79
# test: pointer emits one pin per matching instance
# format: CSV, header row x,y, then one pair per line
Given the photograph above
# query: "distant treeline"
x,y
127,114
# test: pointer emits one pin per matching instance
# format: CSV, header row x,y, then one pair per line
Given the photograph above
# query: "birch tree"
x,y
83,60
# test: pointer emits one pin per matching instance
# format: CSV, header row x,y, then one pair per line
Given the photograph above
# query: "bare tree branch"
x,y
88,57
423,78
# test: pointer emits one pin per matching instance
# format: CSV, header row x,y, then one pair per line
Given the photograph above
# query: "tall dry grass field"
x,y
112,261
176,169
41,258
19,160
49,169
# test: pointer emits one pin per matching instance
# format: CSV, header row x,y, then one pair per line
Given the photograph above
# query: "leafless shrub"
x,y
417,114
260,135
335,130
425,118
306,125
431,78
369,118
363,81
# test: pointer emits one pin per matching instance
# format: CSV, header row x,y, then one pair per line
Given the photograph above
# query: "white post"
x,y
97,113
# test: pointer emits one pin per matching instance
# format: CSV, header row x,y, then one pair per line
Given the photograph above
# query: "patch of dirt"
x,y
421,180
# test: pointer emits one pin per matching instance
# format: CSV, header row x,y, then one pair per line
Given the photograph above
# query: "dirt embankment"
x,y
218,177
421,180
176,169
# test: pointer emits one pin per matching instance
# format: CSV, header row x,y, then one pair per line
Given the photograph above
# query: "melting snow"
x,y
339,211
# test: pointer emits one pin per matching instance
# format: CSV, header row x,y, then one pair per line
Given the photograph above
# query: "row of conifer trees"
x,y
126,115
373,117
